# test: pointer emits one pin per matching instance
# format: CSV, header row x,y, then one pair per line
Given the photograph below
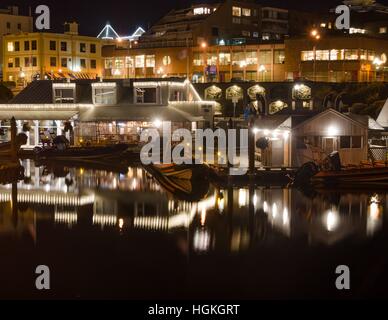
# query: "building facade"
x,y
33,56
12,23
264,62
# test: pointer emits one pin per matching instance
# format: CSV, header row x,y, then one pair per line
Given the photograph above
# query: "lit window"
x,y
279,56
355,30
119,63
108,63
351,54
246,33
129,62
150,61
323,55
200,11
383,30
246,12
236,11
197,61
146,95
224,59
10,47
64,92
251,57
104,93
166,60
307,55
139,61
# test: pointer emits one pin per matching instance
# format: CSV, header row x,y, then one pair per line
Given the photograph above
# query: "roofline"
x,y
335,112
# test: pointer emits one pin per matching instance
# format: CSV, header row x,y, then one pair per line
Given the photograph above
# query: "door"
x,y
329,145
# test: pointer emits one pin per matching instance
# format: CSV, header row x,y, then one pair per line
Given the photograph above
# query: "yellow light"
x,y
219,154
200,148
204,45
121,223
314,33
157,123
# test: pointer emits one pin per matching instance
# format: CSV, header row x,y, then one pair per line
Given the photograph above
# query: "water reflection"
x,y
227,220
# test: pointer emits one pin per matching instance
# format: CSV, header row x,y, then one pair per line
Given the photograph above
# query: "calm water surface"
x,y
110,235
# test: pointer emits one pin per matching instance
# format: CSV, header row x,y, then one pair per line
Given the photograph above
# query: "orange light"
x,y
318,37
314,33
203,44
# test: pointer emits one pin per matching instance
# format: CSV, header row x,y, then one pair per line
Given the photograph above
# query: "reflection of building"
x,y
30,56
12,23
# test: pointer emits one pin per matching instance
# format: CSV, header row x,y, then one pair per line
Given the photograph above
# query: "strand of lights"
x,y
104,220
50,199
69,218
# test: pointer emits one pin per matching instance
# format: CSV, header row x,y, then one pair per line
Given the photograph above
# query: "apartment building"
x,y
11,22
39,55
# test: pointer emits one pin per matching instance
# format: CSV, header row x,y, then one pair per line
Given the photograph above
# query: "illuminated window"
x,y
279,56
224,59
150,61
307,55
129,62
213,93
236,20
64,92
351,54
383,30
201,11
234,92
104,93
197,61
371,55
139,61
246,12
166,60
238,58
236,11
265,57
119,63
323,55
211,59
10,47
355,30
108,63
251,57
336,55
246,33
301,92
363,55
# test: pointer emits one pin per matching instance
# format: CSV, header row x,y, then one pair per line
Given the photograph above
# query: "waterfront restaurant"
x,y
90,111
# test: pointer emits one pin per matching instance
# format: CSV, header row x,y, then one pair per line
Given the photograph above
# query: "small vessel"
x,y
185,182
332,173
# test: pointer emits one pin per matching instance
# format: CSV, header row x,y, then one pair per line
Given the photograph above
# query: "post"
x,y
315,63
13,139
251,146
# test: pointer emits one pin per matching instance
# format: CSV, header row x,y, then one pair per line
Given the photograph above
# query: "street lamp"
x,y
316,37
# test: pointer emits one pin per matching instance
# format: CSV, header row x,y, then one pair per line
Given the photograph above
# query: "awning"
x,y
73,75
37,115
135,113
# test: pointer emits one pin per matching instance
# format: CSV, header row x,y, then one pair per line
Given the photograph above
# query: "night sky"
x,y
126,15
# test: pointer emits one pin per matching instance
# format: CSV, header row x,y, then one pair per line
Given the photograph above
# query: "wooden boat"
x,y
82,153
185,182
332,173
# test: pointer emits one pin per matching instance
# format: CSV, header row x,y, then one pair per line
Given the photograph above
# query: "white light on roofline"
x,y
104,84
64,85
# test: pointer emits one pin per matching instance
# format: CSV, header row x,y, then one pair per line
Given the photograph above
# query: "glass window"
x,y
34,45
27,62
64,95
246,33
236,11
224,59
146,95
26,45
383,30
34,61
119,63
53,45
150,61
363,54
251,57
336,55
323,55
351,54
129,62
63,46
265,57
279,56
17,46
53,61
10,63
211,59
236,20
83,63
104,93
108,63
246,12
93,64
82,47
93,48
371,55
139,61
356,142
166,60
345,142
307,55
197,59
17,62
64,62
10,47
238,58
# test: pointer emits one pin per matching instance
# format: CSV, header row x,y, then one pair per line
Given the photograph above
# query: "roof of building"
x,y
382,119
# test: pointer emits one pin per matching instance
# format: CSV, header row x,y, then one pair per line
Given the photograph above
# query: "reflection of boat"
x,y
59,165
6,147
82,153
186,182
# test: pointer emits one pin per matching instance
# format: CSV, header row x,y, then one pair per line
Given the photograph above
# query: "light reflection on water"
x,y
228,221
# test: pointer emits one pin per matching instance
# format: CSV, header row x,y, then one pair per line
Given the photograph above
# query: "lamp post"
x,y
316,37
204,46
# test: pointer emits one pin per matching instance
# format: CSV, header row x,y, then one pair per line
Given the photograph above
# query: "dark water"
x,y
109,235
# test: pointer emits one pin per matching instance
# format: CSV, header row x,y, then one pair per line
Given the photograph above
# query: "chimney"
x,y
71,28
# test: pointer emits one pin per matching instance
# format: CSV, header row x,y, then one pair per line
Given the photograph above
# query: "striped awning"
x,y
70,75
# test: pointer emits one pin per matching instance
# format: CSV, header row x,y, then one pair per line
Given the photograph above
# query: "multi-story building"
x,y
31,56
264,62
12,23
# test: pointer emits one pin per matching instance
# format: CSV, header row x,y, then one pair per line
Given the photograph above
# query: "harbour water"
x,y
112,235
